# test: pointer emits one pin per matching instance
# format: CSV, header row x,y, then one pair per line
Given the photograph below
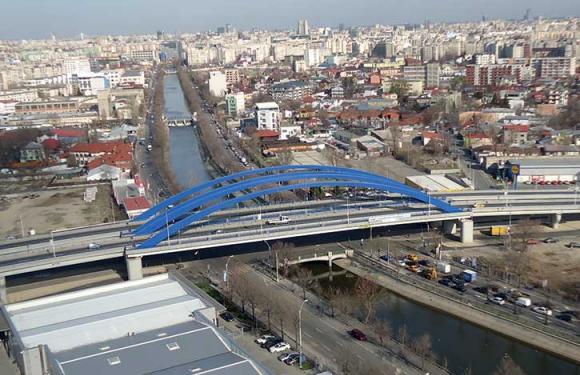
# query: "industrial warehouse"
x,y
157,325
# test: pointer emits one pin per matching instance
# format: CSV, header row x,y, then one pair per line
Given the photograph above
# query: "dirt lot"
x,y
46,210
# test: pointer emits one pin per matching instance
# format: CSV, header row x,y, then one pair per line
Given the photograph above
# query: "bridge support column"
x,y
134,268
450,227
556,219
3,289
466,231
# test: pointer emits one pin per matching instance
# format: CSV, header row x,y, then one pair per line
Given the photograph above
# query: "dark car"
x,y
501,295
227,316
386,258
481,289
446,282
271,342
358,334
551,240
292,359
564,317
424,262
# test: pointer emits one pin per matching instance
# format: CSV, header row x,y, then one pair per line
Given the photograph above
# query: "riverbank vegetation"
x,y
160,152
211,142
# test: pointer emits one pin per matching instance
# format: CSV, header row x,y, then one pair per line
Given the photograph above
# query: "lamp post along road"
x,y
300,332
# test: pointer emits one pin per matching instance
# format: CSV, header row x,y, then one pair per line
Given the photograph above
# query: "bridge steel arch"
x,y
184,223
206,185
196,202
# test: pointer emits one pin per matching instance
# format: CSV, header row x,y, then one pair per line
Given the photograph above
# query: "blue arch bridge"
x,y
194,205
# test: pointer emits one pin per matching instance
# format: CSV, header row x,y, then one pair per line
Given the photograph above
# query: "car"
x,y
497,301
292,360
481,289
94,246
565,317
532,241
424,262
357,334
574,245
385,258
445,282
542,310
279,347
551,240
271,342
283,357
227,316
262,340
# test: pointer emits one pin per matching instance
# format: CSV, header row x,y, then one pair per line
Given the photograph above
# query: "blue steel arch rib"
x,y
206,185
184,223
196,202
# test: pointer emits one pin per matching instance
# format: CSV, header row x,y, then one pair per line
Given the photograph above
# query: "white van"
x,y
524,302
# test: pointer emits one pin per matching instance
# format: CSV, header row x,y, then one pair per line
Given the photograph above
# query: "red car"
x,y
358,335
532,241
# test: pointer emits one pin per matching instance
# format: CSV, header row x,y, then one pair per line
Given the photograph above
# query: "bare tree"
x,y
303,277
508,367
403,335
368,294
423,347
382,328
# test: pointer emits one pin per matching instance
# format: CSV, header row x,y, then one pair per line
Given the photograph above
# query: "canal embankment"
x,y
531,336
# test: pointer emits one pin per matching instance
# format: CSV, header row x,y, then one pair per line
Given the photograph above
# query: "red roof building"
x,y
86,152
135,206
267,134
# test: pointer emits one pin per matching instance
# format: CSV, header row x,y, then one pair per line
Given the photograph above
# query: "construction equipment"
x,y
412,258
430,273
414,267
499,230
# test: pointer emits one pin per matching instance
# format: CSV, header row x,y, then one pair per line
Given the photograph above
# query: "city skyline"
x,y
67,18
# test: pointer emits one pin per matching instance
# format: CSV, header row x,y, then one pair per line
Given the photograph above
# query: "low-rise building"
x,y
267,116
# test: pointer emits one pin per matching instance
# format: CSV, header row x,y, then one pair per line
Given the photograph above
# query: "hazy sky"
x,y
22,19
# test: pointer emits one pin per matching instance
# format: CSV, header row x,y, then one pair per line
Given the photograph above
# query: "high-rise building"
x,y
267,116
432,74
217,83
235,103
303,28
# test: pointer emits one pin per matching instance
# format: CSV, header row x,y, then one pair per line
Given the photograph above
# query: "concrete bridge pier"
x,y
3,289
450,227
330,278
134,268
466,231
556,219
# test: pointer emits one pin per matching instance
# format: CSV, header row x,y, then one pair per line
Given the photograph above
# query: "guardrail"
x,y
453,297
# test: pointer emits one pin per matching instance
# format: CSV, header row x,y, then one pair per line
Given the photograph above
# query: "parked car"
x,y
542,310
497,301
271,342
532,241
293,359
446,282
358,334
551,240
574,245
94,246
523,302
565,317
279,347
227,316
385,258
261,340
283,357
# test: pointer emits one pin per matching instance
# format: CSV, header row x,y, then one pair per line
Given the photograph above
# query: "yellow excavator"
x,y
430,273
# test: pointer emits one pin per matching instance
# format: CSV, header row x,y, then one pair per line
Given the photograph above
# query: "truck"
x,y
469,276
280,220
524,302
443,267
499,230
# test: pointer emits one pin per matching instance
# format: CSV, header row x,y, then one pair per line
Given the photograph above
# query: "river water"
x,y
185,151
463,344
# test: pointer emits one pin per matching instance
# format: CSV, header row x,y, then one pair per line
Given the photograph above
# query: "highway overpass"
x,y
234,226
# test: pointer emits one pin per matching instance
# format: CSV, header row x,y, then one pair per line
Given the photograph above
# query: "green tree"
x,y
400,87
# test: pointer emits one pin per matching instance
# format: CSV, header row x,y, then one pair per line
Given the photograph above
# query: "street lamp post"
x,y
300,332
276,260
226,271
167,228
52,243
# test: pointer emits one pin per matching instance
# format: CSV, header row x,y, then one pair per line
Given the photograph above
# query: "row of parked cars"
x,y
275,344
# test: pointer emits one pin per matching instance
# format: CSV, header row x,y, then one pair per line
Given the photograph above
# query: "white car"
x,y
542,310
94,246
279,347
497,300
264,338
285,356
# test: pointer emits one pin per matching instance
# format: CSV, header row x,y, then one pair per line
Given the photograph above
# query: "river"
x,y
463,344
185,152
